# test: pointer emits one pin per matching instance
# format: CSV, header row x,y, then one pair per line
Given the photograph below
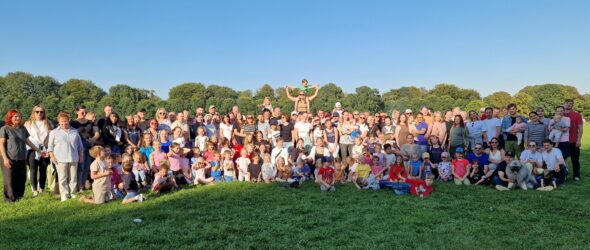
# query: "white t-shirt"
x,y
491,125
552,158
226,130
303,128
476,128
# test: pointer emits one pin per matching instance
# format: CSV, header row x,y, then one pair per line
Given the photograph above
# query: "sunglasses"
x,y
478,148
39,111
532,145
162,113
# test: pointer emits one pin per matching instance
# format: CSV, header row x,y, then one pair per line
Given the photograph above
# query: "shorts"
x,y
130,195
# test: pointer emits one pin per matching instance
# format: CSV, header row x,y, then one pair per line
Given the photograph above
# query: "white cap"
x,y
338,105
408,111
294,113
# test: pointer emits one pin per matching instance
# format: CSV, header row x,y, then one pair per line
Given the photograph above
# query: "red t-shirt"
x,y
394,170
418,187
575,122
327,174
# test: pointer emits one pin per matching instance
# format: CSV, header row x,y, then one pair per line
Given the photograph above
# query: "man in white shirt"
x,y
493,125
553,159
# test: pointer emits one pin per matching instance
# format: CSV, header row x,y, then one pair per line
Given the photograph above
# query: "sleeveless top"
x,y
495,156
331,136
403,133
301,106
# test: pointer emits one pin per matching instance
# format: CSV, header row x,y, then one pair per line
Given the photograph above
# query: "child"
x,y
379,153
339,171
435,150
209,154
364,179
216,167
357,149
130,186
266,105
377,169
283,170
415,167
199,169
255,169
269,171
201,138
444,168
115,177
397,171
146,149
229,173
157,156
139,168
326,176
99,172
163,182
298,173
427,167
422,187
352,165
556,127
275,133
477,176
388,155
243,161
460,168
518,127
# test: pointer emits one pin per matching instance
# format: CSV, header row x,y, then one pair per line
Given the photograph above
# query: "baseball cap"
x,y
273,122
459,150
425,155
510,153
408,111
294,113
335,114
326,159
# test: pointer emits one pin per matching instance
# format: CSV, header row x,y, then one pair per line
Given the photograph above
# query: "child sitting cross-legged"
x,y
326,175
163,180
130,185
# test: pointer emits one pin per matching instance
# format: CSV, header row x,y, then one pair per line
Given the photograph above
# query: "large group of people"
x,y
121,156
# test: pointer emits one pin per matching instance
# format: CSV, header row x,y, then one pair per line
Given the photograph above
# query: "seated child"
x,y
460,168
140,168
163,181
199,169
477,175
444,168
269,171
339,171
297,172
115,177
427,166
422,187
326,176
377,169
130,185
415,167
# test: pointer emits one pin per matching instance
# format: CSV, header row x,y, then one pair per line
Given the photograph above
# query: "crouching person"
x,y
129,184
163,181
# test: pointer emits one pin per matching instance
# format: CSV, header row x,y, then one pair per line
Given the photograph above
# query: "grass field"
x,y
243,215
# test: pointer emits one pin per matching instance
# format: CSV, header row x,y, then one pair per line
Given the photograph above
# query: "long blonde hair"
x,y
32,119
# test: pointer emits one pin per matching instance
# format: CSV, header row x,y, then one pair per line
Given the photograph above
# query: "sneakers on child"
x,y
501,188
546,188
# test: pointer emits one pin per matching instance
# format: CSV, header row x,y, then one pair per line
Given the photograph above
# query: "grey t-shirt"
x,y
15,142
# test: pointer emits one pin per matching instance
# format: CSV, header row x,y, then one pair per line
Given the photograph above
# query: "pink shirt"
x,y
520,127
376,169
157,158
174,160
243,163
460,166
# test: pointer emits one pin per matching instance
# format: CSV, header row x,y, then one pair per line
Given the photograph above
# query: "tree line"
x,y
23,90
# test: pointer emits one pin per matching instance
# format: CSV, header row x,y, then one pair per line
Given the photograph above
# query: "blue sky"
x,y
486,45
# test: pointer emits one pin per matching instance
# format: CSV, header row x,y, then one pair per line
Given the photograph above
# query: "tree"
x,y
327,96
187,95
498,99
523,103
550,96
75,92
364,99
475,105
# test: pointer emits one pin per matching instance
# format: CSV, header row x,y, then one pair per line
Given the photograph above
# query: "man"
x,y
199,111
276,116
143,123
554,161
502,182
510,139
492,124
542,118
479,155
536,131
575,139
212,110
172,116
108,110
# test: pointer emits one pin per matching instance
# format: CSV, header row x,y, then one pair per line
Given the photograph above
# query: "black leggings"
x,y
37,166
14,179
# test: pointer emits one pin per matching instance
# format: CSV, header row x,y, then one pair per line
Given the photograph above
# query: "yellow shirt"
x,y
363,170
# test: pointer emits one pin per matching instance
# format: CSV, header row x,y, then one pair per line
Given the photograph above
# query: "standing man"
x,y
510,140
575,139
143,124
108,110
493,125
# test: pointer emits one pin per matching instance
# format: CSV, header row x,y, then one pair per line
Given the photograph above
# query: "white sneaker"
x,y
64,198
546,188
576,178
35,194
73,196
510,185
501,188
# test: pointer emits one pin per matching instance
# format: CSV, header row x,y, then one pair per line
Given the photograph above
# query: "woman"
x,y
346,128
298,150
132,133
331,137
162,119
13,141
66,151
226,128
286,131
477,130
38,127
495,156
459,135
303,130
112,135
410,148
388,128
439,127
90,135
302,102
402,130
153,129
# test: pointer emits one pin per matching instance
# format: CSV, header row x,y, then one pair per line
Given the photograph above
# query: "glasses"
x,y
248,117
162,113
477,148
532,145
39,111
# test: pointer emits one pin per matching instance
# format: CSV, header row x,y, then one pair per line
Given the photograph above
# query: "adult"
x,y
510,139
318,151
420,129
302,103
481,156
439,127
143,123
564,144
163,121
226,128
402,130
449,125
213,110
495,156
276,116
493,125
531,157
210,127
388,128
263,124
112,135
286,131
500,178
575,138
345,129
132,133
153,129
477,130
302,130
542,118
458,136
182,123
554,161
14,138
410,148
536,131
171,117
108,109
90,136
373,127
38,127
66,151
279,151
331,138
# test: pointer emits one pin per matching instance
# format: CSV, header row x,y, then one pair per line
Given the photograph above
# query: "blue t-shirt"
x,y
483,160
166,146
215,173
147,151
421,139
415,167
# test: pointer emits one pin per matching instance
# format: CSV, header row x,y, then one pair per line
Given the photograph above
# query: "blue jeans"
x,y
130,195
228,178
139,175
497,181
400,188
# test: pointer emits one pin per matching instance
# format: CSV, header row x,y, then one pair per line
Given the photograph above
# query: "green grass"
x,y
243,215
